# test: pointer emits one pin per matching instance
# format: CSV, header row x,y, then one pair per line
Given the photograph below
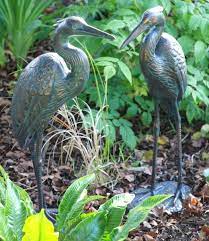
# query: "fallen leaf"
x,y
149,138
147,237
129,177
204,233
163,140
193,205
205,156
147,225
154,234
148,155
196,136
205,192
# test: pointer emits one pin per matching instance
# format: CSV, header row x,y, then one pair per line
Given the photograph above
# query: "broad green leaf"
x,y
125,12
6,232
202,94
136,216
25,198
109,59
109,72
195,22
190,112
146,118
187,43
115,25
128,136
204,29
104,63
199,51
38,228
110,132
115,207
132,111
71,224
90,229
114,218
125,122
78,207
70,197
125,70
15,207
151,202
14,210
167,5
119,200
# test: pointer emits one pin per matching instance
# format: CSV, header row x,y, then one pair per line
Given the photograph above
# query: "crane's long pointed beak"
x,y
97,32
140,28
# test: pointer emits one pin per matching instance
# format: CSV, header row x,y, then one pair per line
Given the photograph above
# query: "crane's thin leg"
x,y
178,127
38,168
156,130
37,163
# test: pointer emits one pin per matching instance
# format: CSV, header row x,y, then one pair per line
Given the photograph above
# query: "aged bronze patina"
x,y
46,84
164,68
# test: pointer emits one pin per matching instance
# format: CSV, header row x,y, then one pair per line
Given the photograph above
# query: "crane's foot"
x,y
51,214
173,204
152,190
179,193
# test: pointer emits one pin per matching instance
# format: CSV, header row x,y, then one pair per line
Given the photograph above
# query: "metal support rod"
x,y
178,193
178,127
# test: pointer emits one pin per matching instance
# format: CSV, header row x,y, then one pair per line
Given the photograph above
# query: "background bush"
x,y
188,22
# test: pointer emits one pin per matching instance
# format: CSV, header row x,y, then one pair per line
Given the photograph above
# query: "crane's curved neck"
x,y
150,41
75,58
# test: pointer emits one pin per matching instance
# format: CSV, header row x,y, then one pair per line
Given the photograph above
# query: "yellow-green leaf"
x,y
148,155
38,228
163,140
196,136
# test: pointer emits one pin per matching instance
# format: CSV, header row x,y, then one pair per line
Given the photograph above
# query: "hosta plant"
x,y
18,221
15,207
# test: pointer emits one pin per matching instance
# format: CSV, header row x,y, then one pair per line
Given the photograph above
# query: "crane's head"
x,y
151,17
77,26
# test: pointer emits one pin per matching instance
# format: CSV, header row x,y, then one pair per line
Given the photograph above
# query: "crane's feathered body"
x,y
164,68
46,84
163,65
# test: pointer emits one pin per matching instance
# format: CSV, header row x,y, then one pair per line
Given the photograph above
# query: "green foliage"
x,y
18,223
15,207
68,208
126,92
20,19
38,228
101,225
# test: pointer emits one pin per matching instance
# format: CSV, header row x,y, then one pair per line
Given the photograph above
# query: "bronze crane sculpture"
x,y
164,68
45,85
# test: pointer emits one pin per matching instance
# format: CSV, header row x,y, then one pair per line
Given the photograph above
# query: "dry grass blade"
x,y
79,134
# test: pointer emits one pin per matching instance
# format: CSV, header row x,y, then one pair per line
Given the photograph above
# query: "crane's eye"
x,y
146,20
